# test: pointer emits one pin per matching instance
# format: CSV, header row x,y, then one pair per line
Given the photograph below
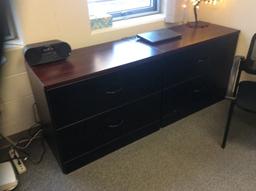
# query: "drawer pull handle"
x,y
196,91
201,60
174,111
116,125
113,92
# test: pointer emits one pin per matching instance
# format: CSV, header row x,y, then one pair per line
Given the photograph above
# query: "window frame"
x,y
136,12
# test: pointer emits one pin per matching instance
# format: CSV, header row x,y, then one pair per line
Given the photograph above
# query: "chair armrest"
x,y
233,77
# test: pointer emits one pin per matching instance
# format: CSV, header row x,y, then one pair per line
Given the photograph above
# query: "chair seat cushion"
x,y
246,96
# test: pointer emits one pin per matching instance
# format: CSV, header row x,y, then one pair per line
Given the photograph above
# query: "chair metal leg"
x,y
230,113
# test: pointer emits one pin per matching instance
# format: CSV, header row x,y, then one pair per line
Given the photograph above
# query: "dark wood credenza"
x,y
106,96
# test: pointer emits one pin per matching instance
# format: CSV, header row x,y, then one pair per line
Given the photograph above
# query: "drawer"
x,y
83,99
91,134
187,98
186,65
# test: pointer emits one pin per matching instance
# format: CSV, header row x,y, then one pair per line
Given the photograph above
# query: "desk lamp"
x,y
196,3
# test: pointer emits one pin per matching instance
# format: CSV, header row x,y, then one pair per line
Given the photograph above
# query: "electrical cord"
x,y
23,144
41,156
28,141
24,149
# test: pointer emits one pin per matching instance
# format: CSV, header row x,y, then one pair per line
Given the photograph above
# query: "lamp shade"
x,y
174,12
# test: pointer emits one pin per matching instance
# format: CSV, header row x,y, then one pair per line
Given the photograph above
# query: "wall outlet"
x,y
18,163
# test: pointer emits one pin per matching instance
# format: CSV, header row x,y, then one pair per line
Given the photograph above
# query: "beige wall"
x,y
237,14
233,13
15,95
44,20
66,20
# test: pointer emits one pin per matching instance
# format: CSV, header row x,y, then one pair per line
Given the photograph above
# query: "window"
x,y
123,9
10,31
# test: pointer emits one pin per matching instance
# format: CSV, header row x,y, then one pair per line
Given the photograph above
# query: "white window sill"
x,y
117,25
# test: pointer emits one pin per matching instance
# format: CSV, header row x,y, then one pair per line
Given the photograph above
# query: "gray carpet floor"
x,y
184,156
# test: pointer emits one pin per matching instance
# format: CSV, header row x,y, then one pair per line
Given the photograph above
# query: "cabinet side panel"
x,y
227,46
43,111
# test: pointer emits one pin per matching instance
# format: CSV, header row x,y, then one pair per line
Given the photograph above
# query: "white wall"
x,y
41,20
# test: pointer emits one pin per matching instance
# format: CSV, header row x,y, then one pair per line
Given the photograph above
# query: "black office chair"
x,y
242,94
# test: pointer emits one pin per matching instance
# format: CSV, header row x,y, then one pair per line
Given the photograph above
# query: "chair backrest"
x,y
250,63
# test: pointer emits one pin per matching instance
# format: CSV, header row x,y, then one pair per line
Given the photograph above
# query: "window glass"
x,y
123,9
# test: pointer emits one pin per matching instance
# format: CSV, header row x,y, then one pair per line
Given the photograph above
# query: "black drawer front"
x,y
187,98
91,134
186,65
86,98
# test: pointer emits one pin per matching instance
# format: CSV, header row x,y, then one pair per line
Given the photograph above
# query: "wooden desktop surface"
x,y
87,62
